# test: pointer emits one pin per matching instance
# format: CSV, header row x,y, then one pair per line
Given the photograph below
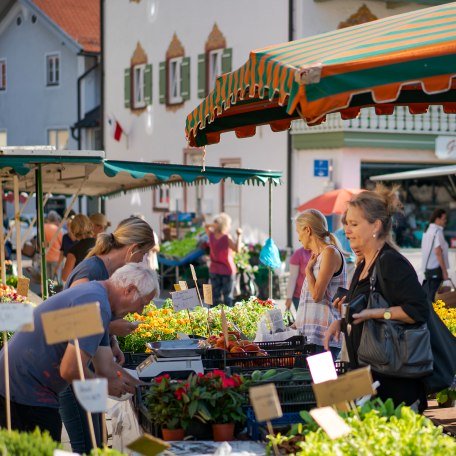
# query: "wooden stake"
x,y
271,432
7,384
81,374
104,430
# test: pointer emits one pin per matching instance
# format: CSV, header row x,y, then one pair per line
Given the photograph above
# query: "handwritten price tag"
x,y
177,287
322,367
183,285
92,394
331,422
185,299
13,315
148,445
72,323
265,402
23,284
64,453
207,293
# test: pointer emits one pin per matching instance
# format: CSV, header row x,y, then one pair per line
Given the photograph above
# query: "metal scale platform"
x,y
178,358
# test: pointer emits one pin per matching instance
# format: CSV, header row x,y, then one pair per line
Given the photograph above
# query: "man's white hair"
x,y
138,274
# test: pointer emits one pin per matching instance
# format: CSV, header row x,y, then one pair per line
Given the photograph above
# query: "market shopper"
x,y
130,242
39,372
222,270
368,228
100,223
82,230
325,273
53,238
298,263
434,251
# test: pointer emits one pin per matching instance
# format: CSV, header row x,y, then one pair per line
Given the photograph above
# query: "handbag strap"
x,y
430,250
377,277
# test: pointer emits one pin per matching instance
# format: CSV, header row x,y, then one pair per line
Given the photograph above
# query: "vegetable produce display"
x,y
181,247
9,294
297,374
164,324
447,315
377,428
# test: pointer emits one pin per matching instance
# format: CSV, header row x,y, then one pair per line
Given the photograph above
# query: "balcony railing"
x,y
434,122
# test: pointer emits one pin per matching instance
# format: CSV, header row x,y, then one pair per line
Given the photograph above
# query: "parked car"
x,y
26,233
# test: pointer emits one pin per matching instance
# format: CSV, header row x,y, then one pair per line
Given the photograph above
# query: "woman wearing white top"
x,y
434,250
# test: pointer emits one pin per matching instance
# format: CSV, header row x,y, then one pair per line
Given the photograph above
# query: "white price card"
x,y
14,315
183,285
72,323
265,402
322,367
92,394
192,269
64,453
185,299
330,421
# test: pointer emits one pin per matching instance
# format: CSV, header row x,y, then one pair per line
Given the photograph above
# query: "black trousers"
x,y
26,418
430,287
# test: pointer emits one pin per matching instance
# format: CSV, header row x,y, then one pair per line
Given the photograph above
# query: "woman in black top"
x,y
368,228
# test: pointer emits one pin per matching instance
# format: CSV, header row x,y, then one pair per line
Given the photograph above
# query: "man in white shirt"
x,y
434,251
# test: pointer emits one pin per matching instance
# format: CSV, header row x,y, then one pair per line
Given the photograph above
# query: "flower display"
x,y
447,315
9,294
164,324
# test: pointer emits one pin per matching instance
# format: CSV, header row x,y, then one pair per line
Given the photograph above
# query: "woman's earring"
x,y
374,235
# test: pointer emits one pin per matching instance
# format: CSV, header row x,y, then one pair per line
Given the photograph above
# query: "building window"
x,y
215,67
3,74
231,193
58,138
53,70
3,139
138,86
174,80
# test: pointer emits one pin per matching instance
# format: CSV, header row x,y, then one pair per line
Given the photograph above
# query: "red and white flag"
x,y
116,128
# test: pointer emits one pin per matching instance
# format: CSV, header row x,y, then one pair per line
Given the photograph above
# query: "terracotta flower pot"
x,y
223,432
173,434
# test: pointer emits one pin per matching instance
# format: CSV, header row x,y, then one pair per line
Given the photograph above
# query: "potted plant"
x,y
446,397
166,408
217,399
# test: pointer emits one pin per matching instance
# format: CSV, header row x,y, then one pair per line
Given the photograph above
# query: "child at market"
x,y
222,270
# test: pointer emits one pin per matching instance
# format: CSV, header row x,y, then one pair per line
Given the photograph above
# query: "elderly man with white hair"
x,y
39,372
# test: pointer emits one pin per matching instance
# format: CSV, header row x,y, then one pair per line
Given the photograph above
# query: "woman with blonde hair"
x,y
222,270
368,228
129,243
325,272
82,231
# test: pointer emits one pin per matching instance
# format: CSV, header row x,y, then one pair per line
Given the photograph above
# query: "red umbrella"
x,y
333,202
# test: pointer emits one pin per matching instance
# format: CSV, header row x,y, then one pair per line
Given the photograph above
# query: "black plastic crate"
x,y
295,342
285,358
135,359
143,414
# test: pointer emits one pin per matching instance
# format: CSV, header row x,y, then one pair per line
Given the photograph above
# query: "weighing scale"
x,y
178,358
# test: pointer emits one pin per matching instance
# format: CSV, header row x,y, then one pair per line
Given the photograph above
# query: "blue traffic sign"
x,y
321,168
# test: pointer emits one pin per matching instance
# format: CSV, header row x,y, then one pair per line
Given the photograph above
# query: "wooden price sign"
x,y
71,324
265,402
177,287
346,388
23,284
148,445
207,293
330,421
183,285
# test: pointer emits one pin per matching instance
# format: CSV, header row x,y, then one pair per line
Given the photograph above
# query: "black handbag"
x,y
391,347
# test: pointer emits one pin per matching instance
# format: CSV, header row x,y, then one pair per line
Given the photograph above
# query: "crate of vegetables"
x,y
245,356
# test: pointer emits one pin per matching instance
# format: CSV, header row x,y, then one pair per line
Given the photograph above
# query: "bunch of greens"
x,y
181,247
34,443
377,428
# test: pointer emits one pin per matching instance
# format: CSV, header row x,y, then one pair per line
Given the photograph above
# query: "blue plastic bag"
x,y
270,255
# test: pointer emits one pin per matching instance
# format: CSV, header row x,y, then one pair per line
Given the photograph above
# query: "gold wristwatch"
x,y
387,314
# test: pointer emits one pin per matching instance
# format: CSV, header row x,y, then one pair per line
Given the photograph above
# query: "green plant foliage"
x,y
378,428
34,443
181,247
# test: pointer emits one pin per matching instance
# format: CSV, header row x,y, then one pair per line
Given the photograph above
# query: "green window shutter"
x,y
127,88
226,60
162,82
185,78
148,84
202,75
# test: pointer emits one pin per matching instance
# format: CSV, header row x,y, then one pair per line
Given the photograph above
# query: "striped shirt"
x,y
313,318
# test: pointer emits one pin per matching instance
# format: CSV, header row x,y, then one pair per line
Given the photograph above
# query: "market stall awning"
x,y
95,176
407,59
435,171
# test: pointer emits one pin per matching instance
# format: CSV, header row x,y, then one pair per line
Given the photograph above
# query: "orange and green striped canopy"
x,y
407,59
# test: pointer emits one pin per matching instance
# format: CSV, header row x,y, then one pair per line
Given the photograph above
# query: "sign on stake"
x,y
330,421
148,445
